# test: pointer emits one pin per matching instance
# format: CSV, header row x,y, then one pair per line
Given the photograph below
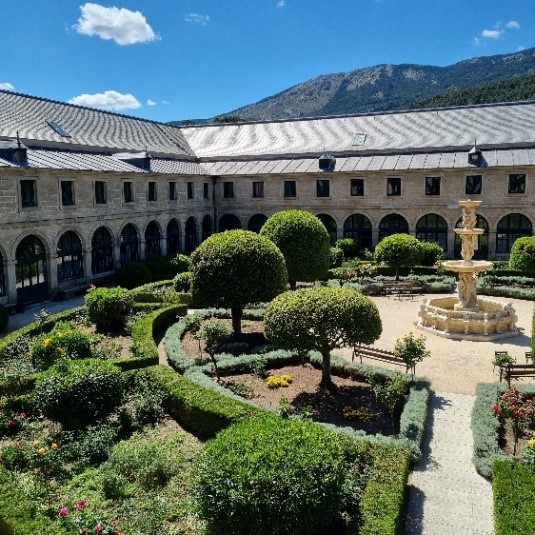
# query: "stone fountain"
x,y
468,317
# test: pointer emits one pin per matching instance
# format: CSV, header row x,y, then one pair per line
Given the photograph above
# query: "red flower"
x,y
21,414
80,505
63,512
99,529
12,424
84,531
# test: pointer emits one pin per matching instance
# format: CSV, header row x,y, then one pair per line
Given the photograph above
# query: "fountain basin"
x,y
466,266
494,320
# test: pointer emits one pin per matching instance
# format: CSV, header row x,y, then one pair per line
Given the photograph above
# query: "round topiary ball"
x,y
271,476
522,255
398,250
108,308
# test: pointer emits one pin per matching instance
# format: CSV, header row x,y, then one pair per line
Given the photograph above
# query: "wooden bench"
x,y
516,371
528,357
404,287
380,354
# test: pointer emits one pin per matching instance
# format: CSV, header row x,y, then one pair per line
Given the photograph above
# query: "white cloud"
x,y
491,34
151,102
165,102
197,18
513,25
6,86
477,41
125,27
109,100
281,3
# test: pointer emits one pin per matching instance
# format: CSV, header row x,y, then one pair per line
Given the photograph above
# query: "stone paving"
x,y
447,495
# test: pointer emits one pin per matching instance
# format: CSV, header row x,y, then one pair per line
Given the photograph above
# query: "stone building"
x,y
84,191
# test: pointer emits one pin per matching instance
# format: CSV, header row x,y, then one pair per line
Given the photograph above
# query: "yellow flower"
x,y
53,446
46,342
42,451
36,442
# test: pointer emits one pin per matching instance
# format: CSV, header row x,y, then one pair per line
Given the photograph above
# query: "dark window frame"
x,y
473,184
393,186
172,191
67,192
128,192
205,190
100,192
323,188
228,190
190,190
290,189
433,185
357,187
28,193
516,185
152,191
258,190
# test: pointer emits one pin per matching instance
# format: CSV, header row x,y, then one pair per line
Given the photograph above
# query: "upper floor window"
x,y
393,186
432,185
258,189
191,190
323,188
28,193
517,183
153,193
172,191
473,184
290,188
100,192
228,190
205,187
357,187
67,193
128,191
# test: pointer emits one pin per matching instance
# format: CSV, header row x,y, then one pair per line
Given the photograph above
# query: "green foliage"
x,y
336,257
182,282
4,318
229,119
522,255
392,391
322,319
304,242
133,274
431,253
350,247
398,250
513,486
77,392
234,268
180,262
62,342
108,308
411,350
271,476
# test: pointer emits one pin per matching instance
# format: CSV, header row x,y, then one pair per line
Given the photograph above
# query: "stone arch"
x,y
128,244
101,251
229,222
69,257
153,240
191,234
433,227
256,222
31,270
173,237
360,227
330,224
207,227
510,228
392,224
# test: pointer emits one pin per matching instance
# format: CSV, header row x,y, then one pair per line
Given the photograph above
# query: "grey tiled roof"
x,y
89,129
5,163
445,129
158,165
363,164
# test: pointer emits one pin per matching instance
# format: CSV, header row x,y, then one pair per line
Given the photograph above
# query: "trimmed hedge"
x,y
513,487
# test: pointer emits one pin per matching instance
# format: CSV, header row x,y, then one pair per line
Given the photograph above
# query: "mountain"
x,y
384,87
513,89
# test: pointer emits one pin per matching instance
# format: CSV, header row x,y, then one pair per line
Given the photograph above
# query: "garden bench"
x,y
379,354
528,357
405,287
516,371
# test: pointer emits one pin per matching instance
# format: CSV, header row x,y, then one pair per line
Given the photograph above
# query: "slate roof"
x,y
88,129
437,130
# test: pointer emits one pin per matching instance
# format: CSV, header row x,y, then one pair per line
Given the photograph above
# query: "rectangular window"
x,y
172,191
228,190
191,191
128,191
290,189
357,187
100,192
473,185
28,193
517,183
323,188
393,186
153,194
432,185
258,190
205,187
67,193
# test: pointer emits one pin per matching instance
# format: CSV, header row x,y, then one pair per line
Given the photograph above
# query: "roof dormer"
x,y
141,160
327,162
14,151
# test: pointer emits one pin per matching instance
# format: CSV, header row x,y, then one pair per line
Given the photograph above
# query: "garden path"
x,y
446,494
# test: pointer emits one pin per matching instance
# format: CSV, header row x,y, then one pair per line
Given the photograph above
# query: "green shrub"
x,y
182,282
431,253
133,274
522,256
108,308
350,247
271,476
59,343
4,318
77,392
513,486
303,241
398,250
180,263
336,257
161,267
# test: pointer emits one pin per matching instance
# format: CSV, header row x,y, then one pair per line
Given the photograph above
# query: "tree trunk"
x,y
397,274
326,381
237,313
293,285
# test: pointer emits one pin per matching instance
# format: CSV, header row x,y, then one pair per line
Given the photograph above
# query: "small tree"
x,y
411,349
304,242
522,255
322,319
213,333
234,268
391,392
431,253
398,250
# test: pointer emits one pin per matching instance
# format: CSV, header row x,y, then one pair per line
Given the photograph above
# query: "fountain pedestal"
x,y
468,317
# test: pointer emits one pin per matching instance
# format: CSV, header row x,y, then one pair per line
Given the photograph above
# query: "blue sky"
x,y
177,59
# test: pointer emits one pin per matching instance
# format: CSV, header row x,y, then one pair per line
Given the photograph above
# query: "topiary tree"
x,y
270,476
323,319
431,253
350,246
304,242
522,255
234,268
398,250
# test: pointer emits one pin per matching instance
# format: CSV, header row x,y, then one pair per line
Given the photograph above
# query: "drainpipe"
x,y
214,203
